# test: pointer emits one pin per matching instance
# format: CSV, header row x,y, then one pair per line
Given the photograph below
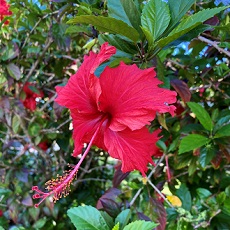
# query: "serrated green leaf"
x,y
14,71
140,225
188,24
87,217
201,115
224,131
155,17
107,24
132,13
117,11
191,142
119,43
116,227
177,10
123,218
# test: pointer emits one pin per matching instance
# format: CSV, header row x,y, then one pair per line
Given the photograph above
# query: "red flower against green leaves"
x,y
4,10
122,101
111,112
31,94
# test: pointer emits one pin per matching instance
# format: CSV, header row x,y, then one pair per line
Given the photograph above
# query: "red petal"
x,y
134,148
83,89
132,96
85,126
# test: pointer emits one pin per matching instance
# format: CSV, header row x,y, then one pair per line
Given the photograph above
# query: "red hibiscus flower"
x,y
30,101
111,112
122,101
4,10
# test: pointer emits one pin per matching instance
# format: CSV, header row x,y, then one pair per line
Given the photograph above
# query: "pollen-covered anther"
x,y
58,187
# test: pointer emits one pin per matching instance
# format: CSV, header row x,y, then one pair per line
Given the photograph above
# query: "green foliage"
x,y
191,142
107,24
44,43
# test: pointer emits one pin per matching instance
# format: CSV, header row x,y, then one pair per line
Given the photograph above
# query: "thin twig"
x,y
149,176
214,44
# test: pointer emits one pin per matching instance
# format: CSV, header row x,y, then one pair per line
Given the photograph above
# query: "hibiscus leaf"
x,y
117,11
201,115
177,10
155,18
118,42
132,13
123,218
106,24
140,225
188,24
206,155
191,142
87,217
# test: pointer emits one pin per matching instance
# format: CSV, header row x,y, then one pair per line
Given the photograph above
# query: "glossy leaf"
x,y
107,24
188,24
202,115
155,17
191,142
116,10
140,225
87,217
206,155
118,42
132,13
224,131
177,10
123,218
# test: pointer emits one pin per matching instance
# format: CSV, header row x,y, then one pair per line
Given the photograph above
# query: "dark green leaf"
x,y
107,24
87,217
201,115
119,43
185,197
76,29
132,13
155,17
140,225
206,155
203,193
188,24
191,142
14,71
117,11
224,131
177,10
123,218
